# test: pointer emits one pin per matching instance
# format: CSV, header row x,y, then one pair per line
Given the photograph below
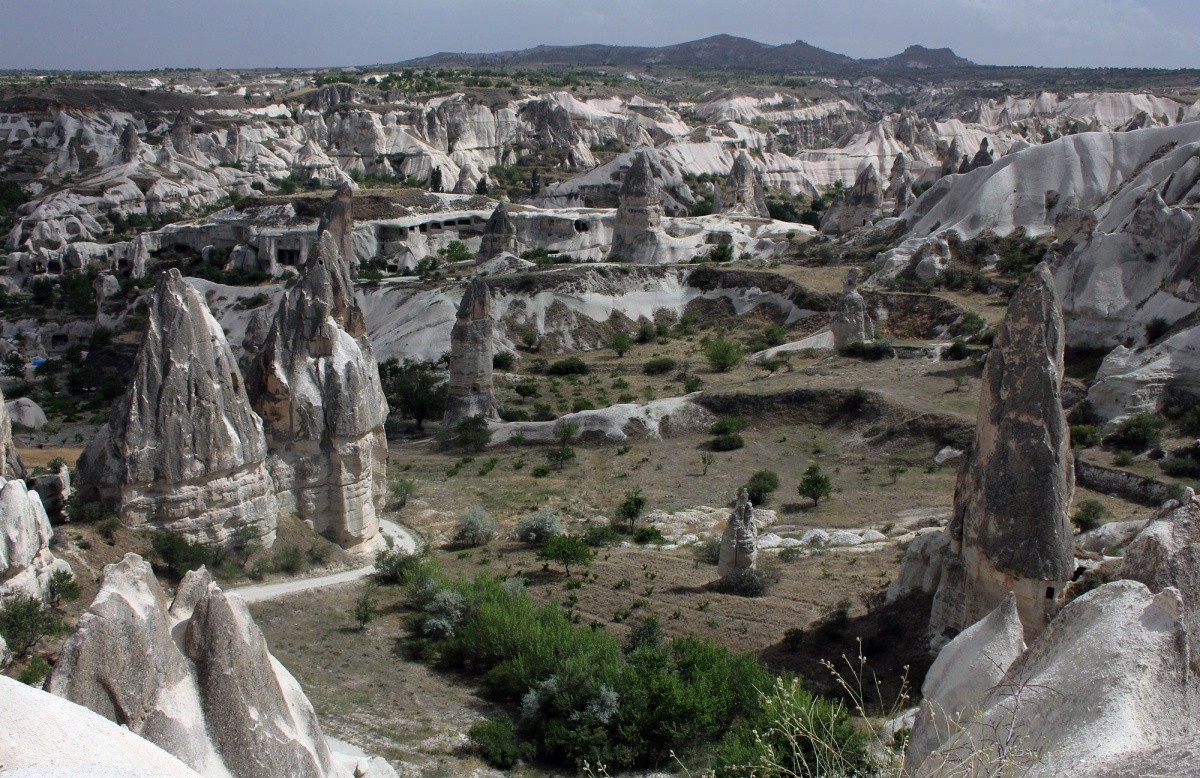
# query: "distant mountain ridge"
x,y
718,51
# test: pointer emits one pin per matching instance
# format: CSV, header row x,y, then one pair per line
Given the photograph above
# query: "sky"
x,y
146,34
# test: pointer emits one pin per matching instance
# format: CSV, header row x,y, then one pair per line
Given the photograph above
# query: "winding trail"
x,y
273,591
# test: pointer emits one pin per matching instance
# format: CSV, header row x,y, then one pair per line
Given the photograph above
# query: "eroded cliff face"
x,y
1010,530
183,451
316,385
26,562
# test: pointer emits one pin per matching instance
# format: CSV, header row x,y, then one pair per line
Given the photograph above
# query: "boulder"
x,y
26,413
1104,537
26,562
1106,683
739,542
921,566
1166,553
195,678
315,383
843,538
964,672
54,489
1010,530
470,391
182,450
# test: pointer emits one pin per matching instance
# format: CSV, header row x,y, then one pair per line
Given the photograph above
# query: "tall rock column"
x,y
499,235
744,190
851,323
739,543
182,449
470,392
316,385
636,230
1010,530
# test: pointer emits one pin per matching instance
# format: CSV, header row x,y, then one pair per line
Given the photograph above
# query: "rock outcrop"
x,y
499,236
54,489
13,468
921,566
744,192
212,695
315,383
183,450
26,562
739,543
964,672
470,391
1105,690
983,157
850,321
857,207
636,231
1166,553
1010,530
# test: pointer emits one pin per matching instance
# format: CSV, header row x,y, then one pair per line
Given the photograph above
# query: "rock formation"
x,y
182,449
744,192
1010,530
196,679
499,235
26,562
130,143
921,566
962,675
1166,553
315,383
983,157
470,390
739,543
851,323
54,489
1105,690
13,468
636,231
858,207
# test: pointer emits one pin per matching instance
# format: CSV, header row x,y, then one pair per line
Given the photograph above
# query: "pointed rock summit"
x,y
636,231
739,543
744,190
857,207
182,450
1010,530
499,235
470,392
851,322
316,385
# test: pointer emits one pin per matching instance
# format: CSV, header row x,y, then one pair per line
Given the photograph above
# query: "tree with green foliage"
x,y
416,389
246,541
400,489
457,251
13,365
25,621
723,354
365,608
761,486
814,485
567,550
472,433
62,586
620,342
632,507
179,554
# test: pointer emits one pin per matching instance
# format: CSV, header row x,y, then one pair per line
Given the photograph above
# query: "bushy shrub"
x,y
62,586
1089,515
727,425
761,486
395,565
814,485
646,535
34,673
1085,435
1139,432
567,550
496,740
746,582
503,360
568,366
179,554
723,354
659,366
288,560
728,442
1183,464
540,526
601,535
708,551
474,527
25,621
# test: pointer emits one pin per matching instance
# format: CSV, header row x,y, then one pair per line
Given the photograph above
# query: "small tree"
x,y
13,365
567,550
814,485
472,433
1089,515
25,621
474,527
559,456
365,610
540,526
416,389
707,459
247,541
526,389
62,586
620,342
723,354
631,509
761,485
401,489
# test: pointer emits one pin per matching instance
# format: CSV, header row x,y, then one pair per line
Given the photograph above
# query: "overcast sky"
x,y
142,34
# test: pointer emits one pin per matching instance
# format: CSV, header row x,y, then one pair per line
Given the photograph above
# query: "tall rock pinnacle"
x,y
470,391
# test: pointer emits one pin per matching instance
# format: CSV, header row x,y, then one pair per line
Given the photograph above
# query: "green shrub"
x,y
1139,432
728,442
568,366
25,621
631,507
814,485
708,551
727,425
107,527
1085,435
541,471
645,535
474,527
540,526
395,565
1089,515
288,560
659,366
62,586
761,486
503,360
746,582
723,354
567,550
1123,458
1183,465
35,672
179,554
472,433
496,741
601,535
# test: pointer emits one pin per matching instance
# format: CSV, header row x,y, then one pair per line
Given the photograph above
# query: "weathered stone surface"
x,y
1010,530
316,385
744,192
636,232
195,679
850,322
8,449
499,235
26,563
183,450
961,676
54,489
470,389
739,542
1166,553
1104,538
858,207
25,412
921,566
1074,225
983,157
1106,684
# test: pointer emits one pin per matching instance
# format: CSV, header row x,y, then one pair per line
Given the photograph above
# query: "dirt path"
x,y
272,591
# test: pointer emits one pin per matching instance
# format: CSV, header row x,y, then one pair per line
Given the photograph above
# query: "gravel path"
x,y
272,591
